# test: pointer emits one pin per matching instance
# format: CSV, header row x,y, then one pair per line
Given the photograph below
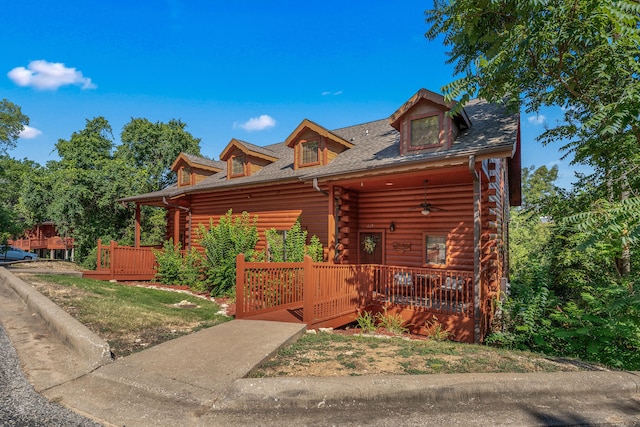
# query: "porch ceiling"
x,y
457,175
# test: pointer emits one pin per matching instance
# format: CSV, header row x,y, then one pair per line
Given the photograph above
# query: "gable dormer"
x,y
424,125
314,145
192,169
244,159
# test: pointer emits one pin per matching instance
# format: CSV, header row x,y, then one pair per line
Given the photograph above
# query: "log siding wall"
x,y
404,246
277,206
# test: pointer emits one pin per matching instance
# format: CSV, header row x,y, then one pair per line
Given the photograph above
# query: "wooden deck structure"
x,y
124,263
326,295
332,295
43,239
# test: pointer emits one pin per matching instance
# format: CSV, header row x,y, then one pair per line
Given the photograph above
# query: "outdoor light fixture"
x,y
392,226
426,211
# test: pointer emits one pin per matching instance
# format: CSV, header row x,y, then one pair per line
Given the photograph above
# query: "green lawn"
x,y
130,318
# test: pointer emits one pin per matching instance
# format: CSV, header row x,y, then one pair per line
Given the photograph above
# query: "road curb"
x,y
94,350
396,391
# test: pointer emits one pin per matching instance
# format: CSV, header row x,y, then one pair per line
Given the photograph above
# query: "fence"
x,y
123,263
332,293
55,242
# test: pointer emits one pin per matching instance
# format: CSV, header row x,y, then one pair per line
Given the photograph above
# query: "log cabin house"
x,y
45,241
412,211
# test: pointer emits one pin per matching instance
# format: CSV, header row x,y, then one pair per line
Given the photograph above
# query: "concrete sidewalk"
x,y
199,380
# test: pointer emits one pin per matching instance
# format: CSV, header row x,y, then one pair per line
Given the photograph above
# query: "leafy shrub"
x,y
391,322
292,247
366,321
169,261
90,262
436,331
174,269
571,301
222,244
315,249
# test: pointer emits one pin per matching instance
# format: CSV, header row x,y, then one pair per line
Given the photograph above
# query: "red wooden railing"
x,y
447,292
55,242
123,263
327,292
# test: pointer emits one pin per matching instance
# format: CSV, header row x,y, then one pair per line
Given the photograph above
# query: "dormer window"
x,y
425,132
314,145
424,125
244,159
238,166
309,153
185,175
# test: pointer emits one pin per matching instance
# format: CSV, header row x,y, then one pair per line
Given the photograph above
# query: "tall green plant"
x,y
176,269
293,246
169,261
222,243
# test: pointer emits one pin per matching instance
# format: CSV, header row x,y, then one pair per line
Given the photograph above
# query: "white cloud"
x,y
257,123
42,74
537,120
28,132
328,92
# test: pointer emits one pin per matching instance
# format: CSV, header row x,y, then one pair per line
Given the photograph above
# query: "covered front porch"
x,y
332,295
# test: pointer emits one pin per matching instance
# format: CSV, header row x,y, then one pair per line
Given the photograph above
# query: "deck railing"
x,y
328,291
55,242
123,263
436,290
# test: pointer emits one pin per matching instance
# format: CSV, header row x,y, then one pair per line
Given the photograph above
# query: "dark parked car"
x,y
9,253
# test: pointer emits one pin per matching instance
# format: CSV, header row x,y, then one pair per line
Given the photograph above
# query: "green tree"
x,y
568,295
154,147
531,226
581,55
79,192
12,122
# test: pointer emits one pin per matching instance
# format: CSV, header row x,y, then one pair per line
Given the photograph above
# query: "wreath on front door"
x,y
369,244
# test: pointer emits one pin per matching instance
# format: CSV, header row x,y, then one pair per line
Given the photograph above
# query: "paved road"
x,y
20,405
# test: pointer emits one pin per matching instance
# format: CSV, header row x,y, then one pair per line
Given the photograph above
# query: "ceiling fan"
x,y
425,207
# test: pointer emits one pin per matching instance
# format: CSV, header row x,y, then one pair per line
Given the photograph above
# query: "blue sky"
x,y
251,70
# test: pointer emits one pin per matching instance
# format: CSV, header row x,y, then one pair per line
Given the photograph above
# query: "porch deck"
x,y
326,295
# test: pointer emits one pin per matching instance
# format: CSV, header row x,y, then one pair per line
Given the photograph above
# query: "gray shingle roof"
x,y
377,143
204,161
261,150
376,146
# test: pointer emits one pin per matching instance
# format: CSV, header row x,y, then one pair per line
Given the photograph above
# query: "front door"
x,y
371,247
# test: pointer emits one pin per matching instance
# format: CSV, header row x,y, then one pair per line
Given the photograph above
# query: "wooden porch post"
x,y
308,291
477,231
112,259
176,227
240,286
331,223
137,238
